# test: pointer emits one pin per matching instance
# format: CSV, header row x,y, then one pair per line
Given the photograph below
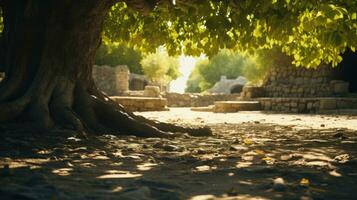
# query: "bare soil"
x,y
252,155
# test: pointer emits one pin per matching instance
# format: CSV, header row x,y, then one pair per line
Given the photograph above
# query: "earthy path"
x,y
251,156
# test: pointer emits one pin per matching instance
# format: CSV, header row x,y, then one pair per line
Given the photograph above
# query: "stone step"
x,y
339,112
235,106
134,104
203,109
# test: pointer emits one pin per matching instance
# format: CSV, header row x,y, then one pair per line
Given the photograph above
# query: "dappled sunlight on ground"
x,y
250,160
185,115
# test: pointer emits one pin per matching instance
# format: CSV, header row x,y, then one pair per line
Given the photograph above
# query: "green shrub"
x,y
119,54
160,68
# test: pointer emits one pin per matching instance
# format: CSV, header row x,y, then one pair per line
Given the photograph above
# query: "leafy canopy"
x,y
312,31
265,59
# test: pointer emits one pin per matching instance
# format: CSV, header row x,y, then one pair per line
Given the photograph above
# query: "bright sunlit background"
x,y
187,64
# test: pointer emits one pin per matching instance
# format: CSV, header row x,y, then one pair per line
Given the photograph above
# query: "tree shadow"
x,y
241,161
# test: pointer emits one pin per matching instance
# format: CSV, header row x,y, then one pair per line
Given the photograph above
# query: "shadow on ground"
x,y
242,161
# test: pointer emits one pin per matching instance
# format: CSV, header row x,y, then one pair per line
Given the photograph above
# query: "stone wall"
x,y
196,99
112,80
309,105
291,81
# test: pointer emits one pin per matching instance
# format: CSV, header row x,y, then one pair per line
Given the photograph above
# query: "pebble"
x,y
340,135
343,158
158,145
171,148
286,157
279,184
237,148
201,151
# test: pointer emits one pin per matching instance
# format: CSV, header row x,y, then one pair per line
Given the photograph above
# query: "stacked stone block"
x,y
151,91
252,92
301,82
307,105
112,80
235,106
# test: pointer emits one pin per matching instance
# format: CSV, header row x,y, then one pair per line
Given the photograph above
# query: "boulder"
x,y
152,91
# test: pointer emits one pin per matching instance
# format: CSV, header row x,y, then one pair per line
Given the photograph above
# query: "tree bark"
x,y
49,49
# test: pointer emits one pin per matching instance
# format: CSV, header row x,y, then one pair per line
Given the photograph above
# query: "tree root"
x,y
83,110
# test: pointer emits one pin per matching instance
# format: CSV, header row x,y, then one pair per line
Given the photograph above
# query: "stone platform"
x,y
141,103
322,105
235,106
203,109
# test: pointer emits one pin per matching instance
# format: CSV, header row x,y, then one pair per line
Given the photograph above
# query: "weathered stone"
x,y
152,91
252,92
234,106
340,87
328,104
316,105
302,107
111,80
341,104
290,81
279,184
294,110
203,109
310,105
141,103
267,105
197,100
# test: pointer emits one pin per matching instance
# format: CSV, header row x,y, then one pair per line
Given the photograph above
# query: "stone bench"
x,y
203,109
235,106
141,103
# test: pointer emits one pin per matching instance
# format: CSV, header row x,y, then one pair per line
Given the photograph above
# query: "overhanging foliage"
x,y
310,31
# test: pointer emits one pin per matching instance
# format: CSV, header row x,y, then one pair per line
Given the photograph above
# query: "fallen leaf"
x,y
304,182
248,141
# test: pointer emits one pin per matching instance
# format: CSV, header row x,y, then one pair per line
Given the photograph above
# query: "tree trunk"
x,y
49,49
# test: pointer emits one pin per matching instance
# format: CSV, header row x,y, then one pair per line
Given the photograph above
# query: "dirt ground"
x,y
252,155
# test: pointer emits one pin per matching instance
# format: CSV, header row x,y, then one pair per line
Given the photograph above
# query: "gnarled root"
x,y
110,112
72,106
